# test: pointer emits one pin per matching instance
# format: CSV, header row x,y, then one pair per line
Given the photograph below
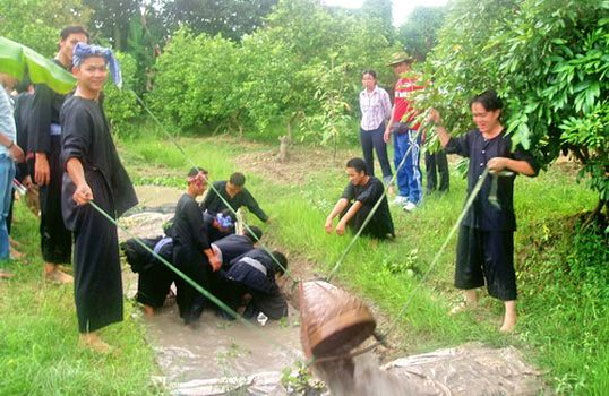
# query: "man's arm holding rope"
x,y
83,194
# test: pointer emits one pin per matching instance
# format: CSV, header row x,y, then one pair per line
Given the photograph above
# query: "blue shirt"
x,y
7,119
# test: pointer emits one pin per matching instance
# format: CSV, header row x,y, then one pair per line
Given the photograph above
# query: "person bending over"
x,y
234,245
253,288
359,197
485,246
233,192
192,253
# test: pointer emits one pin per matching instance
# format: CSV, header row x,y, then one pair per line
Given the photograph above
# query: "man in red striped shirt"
x,y
405,134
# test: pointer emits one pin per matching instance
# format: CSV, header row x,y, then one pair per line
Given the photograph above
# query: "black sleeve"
x,y
209,198
252,205
371,194
349,192
197,225
520,154
40,120
459,145
77,133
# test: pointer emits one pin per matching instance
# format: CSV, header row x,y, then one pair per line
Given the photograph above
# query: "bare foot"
x,y
14,243
16,254
148,311
58,277
95,343
462,307
5,274
509,321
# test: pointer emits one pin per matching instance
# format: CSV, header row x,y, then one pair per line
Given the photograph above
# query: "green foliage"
x,y
121,105
301,70
230,18
37,23
419,33
547,58
195,80
111,19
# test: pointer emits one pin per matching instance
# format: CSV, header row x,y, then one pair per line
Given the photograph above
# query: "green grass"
x,y
39,353
554,332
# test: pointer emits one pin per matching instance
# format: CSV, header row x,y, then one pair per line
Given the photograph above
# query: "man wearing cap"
x,y
44,146
405,135
93,174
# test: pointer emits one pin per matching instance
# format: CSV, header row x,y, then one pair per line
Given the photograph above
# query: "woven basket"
x,y
332,321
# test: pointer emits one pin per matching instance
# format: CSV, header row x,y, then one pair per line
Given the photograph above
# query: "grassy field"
x,y
561,329
38,335
563,301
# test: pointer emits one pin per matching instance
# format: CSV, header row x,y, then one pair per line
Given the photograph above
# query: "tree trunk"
x,y
117,38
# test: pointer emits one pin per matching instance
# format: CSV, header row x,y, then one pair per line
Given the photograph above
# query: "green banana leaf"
x,y
17,60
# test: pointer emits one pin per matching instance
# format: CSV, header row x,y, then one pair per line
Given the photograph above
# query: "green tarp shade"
x,y
17,60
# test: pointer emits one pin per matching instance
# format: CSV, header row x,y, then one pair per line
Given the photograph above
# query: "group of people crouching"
x,y
206,243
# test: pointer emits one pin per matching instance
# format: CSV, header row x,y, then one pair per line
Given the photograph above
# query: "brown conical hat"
x,y
332,321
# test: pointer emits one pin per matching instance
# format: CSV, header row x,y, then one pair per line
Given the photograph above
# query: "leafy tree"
x,y
195,80
418,33
111,19
37,23
121,105
231,18
548,59
383,11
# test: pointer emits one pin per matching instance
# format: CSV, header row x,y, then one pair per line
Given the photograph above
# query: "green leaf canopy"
x,y
17,60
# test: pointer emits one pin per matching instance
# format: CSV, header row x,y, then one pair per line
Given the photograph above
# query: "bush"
x,y
121,105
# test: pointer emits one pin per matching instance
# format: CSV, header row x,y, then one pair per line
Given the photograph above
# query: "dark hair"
x,y
283,261
257,234
358,164
23,85
488,99
369,72
68,30
237,179
195,171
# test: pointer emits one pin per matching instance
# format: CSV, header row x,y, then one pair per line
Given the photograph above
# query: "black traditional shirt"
x,y
483,214
214,204
23,109
381,223
189,228
46,107
86,136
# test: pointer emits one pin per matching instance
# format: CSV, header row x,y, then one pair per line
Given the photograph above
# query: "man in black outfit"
x,y
93,172
359,197
233,192
192,253
44,142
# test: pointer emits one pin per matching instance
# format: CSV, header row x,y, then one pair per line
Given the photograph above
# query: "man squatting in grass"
x,y
358,199
485,247
9,153
44,145
93,173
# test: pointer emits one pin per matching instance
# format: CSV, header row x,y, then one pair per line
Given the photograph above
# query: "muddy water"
x,y
217,348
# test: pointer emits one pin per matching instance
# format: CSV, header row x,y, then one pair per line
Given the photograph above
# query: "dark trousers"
x,y
97,269
486,255
436,164
374,139
55,239
195,266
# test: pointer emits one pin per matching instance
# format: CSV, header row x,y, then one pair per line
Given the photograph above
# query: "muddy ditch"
x,y
226,357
